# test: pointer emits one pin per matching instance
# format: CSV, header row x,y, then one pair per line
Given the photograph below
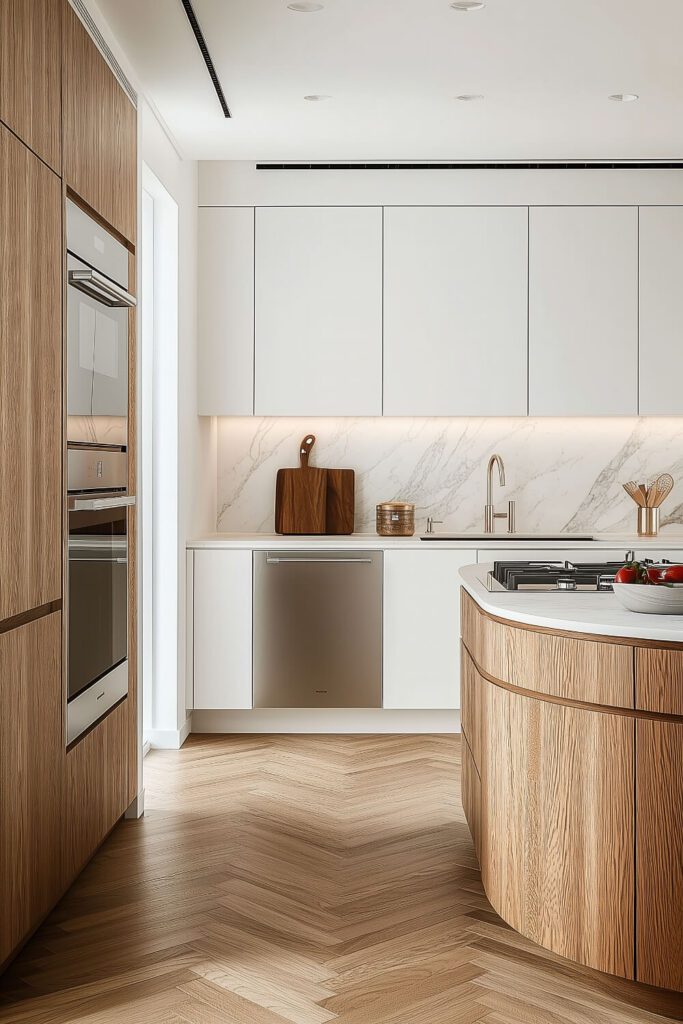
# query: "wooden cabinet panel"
x,y
31,777
226,312
100,132
421,629
557,844
560,666
455,311
661,310
471,796
659,681
659,856
583,311
472,706
30,75
30,380
318,332
96,788
222,629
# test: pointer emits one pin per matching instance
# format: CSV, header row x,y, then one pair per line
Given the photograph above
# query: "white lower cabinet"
x,y
222,626
422,628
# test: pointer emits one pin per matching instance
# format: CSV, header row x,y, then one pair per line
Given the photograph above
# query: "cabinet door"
x,y
226,312
100,131
222,629
455,311
422,628
659,853
31,777
30,70
318,311
661,310
30,380
583,311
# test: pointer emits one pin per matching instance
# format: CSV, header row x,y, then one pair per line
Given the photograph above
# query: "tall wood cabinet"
x,y
100,136
30,73
30,380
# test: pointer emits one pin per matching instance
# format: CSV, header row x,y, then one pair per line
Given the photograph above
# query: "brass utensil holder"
x,y
648,522
396,519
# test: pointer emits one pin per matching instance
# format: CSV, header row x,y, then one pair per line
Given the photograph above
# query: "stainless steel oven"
x,y
97,471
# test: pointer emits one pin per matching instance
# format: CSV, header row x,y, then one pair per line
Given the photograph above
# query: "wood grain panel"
x,y
472,697
562,666
30,75
659,681
100,132
557,842
471,796
30,380
133,746
96,788
31,777
659,853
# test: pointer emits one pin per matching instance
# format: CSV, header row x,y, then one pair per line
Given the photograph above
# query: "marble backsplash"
x,y
564,474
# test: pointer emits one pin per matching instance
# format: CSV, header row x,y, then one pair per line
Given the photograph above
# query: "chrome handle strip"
x,y
100,287
93,504
357,561
109,561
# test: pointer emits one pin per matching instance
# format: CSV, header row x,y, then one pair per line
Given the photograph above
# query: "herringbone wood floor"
x,y
304,879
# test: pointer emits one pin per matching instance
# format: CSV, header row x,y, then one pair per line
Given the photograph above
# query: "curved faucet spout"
x,y
494,460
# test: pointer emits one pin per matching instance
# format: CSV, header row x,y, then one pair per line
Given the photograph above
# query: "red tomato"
x,y
673,574
627,575
655,574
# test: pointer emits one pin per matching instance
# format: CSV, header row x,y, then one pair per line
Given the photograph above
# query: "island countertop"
x,y
586,613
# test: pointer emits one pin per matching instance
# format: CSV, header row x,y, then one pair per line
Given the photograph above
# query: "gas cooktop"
x,y
565,577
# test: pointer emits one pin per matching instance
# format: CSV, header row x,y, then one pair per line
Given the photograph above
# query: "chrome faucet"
x,y
490,514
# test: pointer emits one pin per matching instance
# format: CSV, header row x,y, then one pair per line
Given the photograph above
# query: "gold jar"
x,y
396,519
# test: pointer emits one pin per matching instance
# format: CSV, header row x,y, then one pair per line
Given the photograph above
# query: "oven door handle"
x,y
101,288
93,504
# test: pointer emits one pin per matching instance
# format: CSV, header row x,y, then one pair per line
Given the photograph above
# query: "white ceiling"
x,y
393,68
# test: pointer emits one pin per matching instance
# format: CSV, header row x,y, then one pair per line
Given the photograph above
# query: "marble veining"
x,y
564,474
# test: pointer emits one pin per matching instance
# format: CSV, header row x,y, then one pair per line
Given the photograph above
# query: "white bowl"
x,y
650,600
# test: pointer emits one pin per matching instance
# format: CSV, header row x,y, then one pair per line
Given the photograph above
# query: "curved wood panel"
x,y
557,826
659,681
592,671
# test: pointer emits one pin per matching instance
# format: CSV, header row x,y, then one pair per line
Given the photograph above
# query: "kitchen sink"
x,y
563,537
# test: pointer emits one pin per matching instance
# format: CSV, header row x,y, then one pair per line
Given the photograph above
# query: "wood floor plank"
x,y
300,879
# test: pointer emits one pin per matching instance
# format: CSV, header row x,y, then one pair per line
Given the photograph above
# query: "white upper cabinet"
x,y
661,310
225,318
583,311
455,311
318,311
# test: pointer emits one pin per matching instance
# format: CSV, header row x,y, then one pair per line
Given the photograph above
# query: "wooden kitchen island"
x,y
573,774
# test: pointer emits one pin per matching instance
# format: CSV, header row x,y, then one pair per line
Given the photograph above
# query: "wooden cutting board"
x,y
301,496
340,504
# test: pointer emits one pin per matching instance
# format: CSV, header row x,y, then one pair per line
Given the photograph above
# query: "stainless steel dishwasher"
x,y
317,629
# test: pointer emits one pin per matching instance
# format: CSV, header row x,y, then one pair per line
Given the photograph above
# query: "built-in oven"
x,y
98,501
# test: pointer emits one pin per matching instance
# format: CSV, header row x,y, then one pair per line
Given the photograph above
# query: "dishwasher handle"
x,y
329,561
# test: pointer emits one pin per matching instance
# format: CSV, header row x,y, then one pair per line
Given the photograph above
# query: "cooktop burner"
x,y
566,577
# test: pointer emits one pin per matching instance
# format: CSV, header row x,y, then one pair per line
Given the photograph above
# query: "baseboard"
x,y
170,739
323,720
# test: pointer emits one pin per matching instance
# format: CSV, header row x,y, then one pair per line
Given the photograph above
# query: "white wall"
x,y
196,498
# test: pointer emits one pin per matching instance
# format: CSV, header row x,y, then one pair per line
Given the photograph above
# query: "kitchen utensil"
x,y
659,489
340,501
301,495
648,522
650,600
636,491
396,519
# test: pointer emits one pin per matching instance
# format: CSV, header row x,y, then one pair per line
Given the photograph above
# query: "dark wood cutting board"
x,y
301,496
340,500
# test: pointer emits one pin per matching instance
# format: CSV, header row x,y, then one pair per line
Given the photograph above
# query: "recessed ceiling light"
x,y
305,8
624,97
317,97
467,5
469,97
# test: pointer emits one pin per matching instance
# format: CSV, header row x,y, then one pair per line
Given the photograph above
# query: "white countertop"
x,y
259,541
580,613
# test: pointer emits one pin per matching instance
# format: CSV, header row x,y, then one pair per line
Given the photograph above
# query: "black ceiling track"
x,y
201,42
538,165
